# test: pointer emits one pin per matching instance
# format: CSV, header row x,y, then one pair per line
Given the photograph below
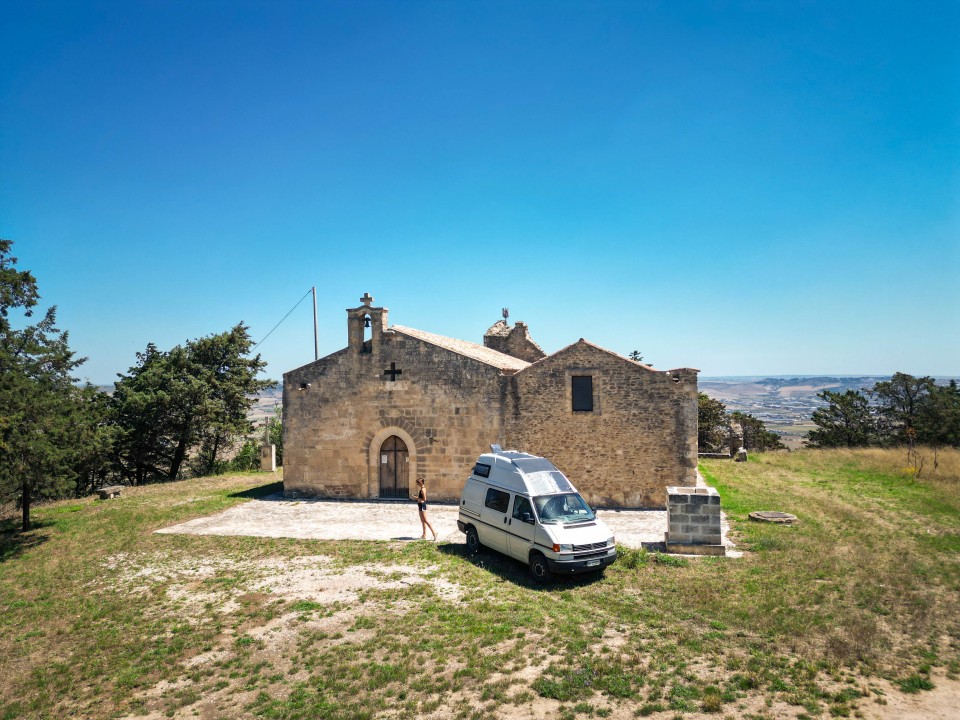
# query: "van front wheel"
x,y
539,568
473,541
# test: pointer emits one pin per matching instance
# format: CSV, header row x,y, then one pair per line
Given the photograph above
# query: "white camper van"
x,y
524,507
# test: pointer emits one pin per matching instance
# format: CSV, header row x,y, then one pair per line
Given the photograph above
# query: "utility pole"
x,y
316,346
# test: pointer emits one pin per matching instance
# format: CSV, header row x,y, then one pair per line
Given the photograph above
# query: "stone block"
x,y
682,548
268,458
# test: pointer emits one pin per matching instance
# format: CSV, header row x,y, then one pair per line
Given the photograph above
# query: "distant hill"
x,y
749,387
783,403
266,405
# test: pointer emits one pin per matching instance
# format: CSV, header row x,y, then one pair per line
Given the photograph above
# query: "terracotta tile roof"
x,y
467,349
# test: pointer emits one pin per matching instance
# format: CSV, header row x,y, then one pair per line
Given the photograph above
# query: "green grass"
x,y
100,617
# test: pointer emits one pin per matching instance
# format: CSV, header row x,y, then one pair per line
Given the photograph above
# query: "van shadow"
x,y
14,543
513,571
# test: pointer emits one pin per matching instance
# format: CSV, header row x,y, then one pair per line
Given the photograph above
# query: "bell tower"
x,y
365,326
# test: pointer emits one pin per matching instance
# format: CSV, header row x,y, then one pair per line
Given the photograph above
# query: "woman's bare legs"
x,y
426,524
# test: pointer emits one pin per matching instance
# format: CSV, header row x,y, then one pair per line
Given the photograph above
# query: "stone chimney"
x,y
515,341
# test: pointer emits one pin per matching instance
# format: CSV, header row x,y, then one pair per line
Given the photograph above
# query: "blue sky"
x,y
745,188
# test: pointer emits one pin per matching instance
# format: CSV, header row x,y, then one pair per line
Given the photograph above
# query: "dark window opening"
x,y
497,500
582,387
481,470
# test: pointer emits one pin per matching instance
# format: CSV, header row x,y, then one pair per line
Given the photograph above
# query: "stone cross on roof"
x,y
366,299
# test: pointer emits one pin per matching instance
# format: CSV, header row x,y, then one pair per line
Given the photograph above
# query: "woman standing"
x,y
422,507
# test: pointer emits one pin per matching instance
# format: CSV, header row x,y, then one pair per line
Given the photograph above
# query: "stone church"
x,y
397,403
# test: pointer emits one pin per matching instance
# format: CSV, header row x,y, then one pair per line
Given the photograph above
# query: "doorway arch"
x,y
375,455
394,462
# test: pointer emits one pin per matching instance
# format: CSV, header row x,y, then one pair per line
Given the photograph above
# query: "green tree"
x,y
247,457
276,435
95,439
713,424
636,356
39,406
845,421
939,419
901,403
756,437
194,398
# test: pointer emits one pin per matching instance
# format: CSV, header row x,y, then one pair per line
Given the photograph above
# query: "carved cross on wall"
x,y
393,372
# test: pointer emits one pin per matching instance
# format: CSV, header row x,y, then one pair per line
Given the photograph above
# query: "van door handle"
x,y
504,519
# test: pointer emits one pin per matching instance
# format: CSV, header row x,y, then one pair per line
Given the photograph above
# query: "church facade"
x,y
398,403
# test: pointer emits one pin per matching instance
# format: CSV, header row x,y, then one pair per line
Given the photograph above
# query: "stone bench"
x,y
110,491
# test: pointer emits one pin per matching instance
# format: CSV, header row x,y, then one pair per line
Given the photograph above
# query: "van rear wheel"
x,y
473,541
539,568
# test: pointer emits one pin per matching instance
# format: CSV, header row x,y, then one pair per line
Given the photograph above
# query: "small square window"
x,y
582,390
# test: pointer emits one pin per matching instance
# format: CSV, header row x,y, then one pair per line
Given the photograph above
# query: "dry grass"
x,y
871,573
103,618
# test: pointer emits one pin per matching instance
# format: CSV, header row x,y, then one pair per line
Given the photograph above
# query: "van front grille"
x,y
591,546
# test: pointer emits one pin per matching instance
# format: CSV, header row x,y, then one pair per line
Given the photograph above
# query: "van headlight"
x,y
611,540
562,548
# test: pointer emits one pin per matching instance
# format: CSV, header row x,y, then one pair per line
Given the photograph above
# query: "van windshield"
x,y
565,508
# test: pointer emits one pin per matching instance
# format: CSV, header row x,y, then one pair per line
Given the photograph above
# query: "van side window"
x,y
481,470
497,500
522,509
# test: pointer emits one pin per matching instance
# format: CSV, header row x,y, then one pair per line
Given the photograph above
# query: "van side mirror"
x,y
526,517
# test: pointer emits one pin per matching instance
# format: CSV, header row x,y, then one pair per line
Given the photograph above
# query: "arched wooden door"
x,y
393,468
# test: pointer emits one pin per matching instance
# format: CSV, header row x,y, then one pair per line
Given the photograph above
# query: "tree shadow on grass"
x,y
14,543
260,492
514,571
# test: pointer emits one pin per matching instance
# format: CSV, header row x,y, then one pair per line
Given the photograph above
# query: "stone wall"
x,y
339,410
640,437
449,400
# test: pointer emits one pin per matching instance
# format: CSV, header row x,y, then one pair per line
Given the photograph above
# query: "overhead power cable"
x,y
282,319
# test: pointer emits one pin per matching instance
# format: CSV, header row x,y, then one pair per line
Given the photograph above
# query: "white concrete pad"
x,y
275,516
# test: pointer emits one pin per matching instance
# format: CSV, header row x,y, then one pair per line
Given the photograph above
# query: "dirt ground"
x,y
941,703
317,579
275,516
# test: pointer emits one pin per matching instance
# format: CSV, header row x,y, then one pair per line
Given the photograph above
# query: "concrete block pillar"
x,y
693,521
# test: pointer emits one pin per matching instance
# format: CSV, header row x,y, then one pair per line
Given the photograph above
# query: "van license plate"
x,y
591,563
